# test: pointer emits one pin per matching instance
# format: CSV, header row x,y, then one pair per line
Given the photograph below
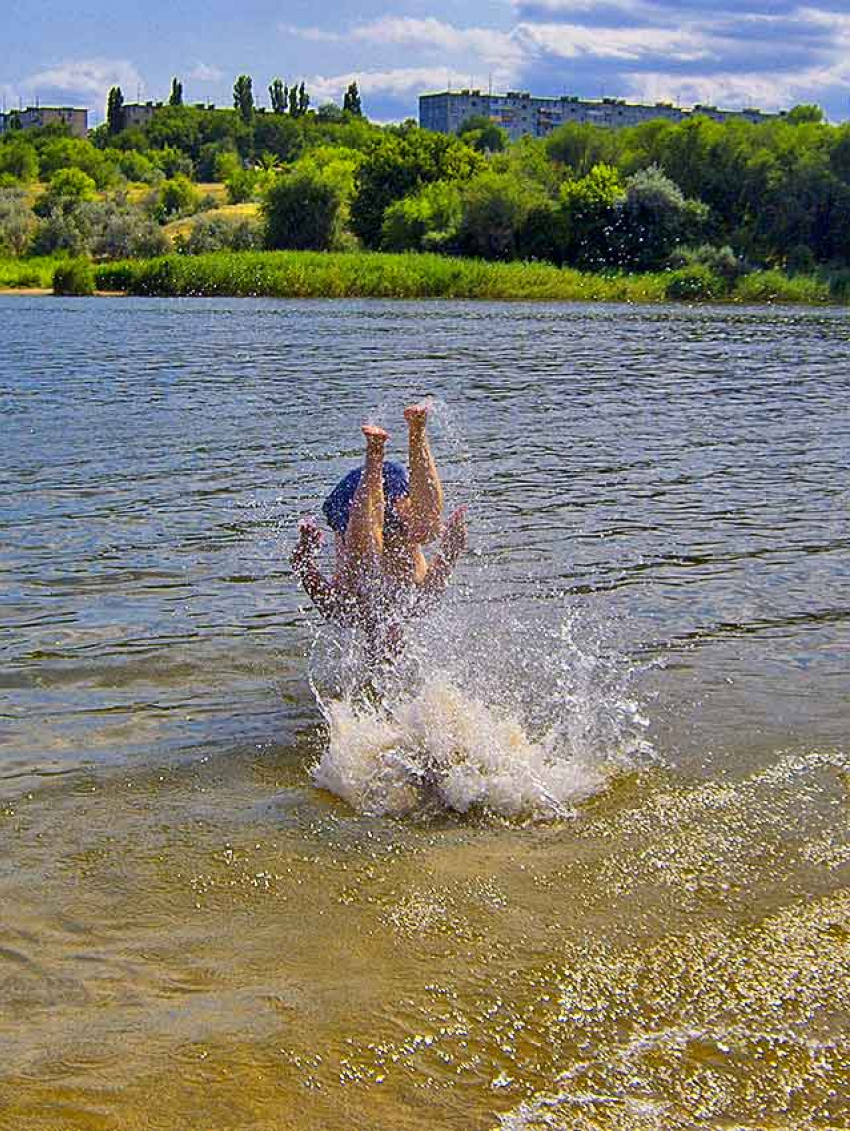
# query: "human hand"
x,y
453,542
309,541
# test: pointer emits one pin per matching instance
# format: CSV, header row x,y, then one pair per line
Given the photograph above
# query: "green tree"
x,y
15,120
351,101
805,112
398,165
279,96
483,134
303,101
301,210
495,206
654,218
580,146
17,221
243,98
588,213
176,197
278,134
293,101
67,188
176,96
19,159
115,111
427,221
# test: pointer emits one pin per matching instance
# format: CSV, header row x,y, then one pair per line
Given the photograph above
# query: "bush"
x,y
839,284
241,186
694,284
495,206
800,260
67,188
63,232
218,233
301,211
75,277
429,219
19,160
654,217
173,199
16,221
775,286
720,261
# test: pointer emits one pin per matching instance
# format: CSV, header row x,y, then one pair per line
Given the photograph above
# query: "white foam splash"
x,y
444,746
514,719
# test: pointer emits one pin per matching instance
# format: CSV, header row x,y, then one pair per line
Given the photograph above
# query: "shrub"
x,y
218,233
136,167
241,185
495,206
63,232
839,284
174,198
67,188
694,284
800,260
429,219
654,217
720,261
75,277
301,211
16,221
19,160
774,286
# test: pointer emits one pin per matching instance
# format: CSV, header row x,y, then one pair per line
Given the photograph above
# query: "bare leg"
x,y
426,490
364,535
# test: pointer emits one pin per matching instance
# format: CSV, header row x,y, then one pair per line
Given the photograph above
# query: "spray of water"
x,y
514,717
520,714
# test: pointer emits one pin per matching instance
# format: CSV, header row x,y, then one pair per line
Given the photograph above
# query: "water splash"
x,y
517,717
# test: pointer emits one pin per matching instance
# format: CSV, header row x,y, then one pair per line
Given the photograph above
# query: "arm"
x,y
452,545
320,591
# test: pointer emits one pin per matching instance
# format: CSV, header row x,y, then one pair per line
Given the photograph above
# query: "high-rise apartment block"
x,y
520,113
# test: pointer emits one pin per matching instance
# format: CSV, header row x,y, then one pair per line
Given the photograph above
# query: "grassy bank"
x,y
290,274
340,275
25,274
287,274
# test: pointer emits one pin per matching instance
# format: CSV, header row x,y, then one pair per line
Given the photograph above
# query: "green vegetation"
x,y
694,211
292,274
74,277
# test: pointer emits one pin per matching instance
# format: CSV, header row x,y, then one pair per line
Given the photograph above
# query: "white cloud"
x,y
428,35
82,79
572,40
204,72
396,81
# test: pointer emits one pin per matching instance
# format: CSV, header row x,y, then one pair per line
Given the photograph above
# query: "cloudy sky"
x,y
767,53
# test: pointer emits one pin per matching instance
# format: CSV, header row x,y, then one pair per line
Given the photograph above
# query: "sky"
x,y
772,54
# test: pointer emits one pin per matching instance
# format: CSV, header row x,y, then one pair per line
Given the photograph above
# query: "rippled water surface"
x,y
626,904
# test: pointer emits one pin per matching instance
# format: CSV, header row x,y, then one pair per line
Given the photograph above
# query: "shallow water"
x,y
651,629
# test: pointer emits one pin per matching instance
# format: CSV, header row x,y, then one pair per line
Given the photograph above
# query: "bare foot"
x,y
417,414
375,435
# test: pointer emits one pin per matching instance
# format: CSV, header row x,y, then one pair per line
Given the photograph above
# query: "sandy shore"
x,y
39,291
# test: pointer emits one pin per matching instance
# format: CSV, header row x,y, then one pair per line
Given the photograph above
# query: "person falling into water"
x,y
381,519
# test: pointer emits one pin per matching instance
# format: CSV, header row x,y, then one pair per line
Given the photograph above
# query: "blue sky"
x,y
767,53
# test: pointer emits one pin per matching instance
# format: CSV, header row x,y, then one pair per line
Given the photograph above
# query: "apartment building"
x,y
520,113
33,117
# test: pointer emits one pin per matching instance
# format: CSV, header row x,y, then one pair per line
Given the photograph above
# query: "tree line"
x,y
724,197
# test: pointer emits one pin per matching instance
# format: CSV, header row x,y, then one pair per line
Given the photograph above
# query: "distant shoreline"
x,y
414,275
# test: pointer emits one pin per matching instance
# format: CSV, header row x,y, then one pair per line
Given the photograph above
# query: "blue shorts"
x,y
337,506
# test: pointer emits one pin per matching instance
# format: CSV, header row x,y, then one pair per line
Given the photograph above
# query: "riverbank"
x,y
288,274
293,274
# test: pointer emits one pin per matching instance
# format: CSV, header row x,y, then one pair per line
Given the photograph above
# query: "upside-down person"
x,y
381,519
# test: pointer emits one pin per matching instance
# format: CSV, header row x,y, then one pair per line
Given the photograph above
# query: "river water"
x,y
585,867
